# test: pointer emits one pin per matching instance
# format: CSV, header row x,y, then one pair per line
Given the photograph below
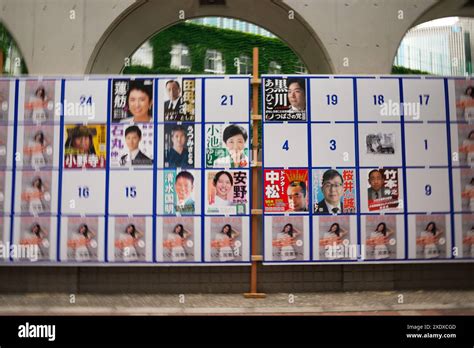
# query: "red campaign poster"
x,y
383,192
285,190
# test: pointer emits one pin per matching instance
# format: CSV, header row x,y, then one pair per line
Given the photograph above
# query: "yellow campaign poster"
x,y
85,146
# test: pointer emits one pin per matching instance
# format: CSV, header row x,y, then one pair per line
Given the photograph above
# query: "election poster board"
x,y
367,169
128,170
109,170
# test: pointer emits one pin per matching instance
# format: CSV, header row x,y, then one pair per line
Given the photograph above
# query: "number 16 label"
x,y
83,192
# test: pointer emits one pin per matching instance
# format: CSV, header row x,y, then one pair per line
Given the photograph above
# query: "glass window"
x,y
214,63
300,68
243,64
180,58
274,68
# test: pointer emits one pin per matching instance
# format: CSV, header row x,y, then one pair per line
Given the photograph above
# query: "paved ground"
x,y
340,303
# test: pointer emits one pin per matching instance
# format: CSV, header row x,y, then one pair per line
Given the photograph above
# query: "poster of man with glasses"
x,y
334,191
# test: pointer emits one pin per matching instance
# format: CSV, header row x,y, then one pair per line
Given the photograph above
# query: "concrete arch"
x,y
17,44
446,8
143,19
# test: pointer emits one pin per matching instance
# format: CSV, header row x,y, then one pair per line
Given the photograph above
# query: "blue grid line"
x,y
309,191
356,142
155,164
60,179
404,171
450,164
15,134
107,173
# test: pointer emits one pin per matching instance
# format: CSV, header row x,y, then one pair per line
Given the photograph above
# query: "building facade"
x,y
203,49
438,49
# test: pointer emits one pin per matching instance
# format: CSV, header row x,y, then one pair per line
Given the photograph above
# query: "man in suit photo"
x,y
376,189
332,187
178,156
133,135
174,105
